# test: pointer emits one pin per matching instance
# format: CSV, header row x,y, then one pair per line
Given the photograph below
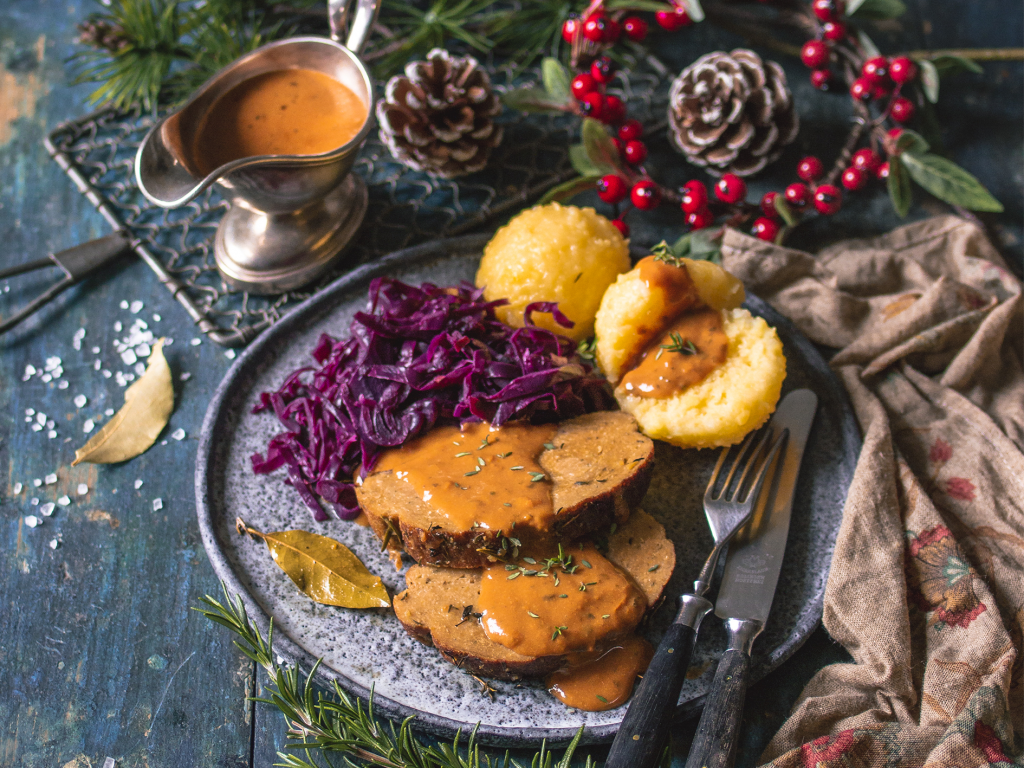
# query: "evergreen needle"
x,y
321,723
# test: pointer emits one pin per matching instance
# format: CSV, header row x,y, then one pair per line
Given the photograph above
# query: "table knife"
x,y
747,589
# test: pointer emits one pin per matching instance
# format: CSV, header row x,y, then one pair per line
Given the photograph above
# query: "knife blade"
x,y
748,589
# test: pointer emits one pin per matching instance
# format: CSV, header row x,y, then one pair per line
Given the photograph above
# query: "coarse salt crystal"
x,y
136,307
34,501
230,354
143,350
129,377
118,326
29,420
95,350
178,434
96,364
30,411
17,488
194,343
37,483
168,340
82,489
58,371
185,376
89,426
120,379
106,374
158,504
138,484
47,508
129,357
108,412
30,371
51,434
63,385
52,362
79,334
32,521
64,500
37,427
47,378
140,368
80,401
50,424
40,417
157,317
51,478
124,304
54,543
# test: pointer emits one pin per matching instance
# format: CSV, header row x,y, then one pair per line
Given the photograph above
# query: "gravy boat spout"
x,y
291,214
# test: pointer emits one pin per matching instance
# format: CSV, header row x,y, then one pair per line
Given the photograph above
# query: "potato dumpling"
x,y
734,399
553,253
627,307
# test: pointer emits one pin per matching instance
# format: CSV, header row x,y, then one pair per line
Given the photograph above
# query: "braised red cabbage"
x,y
417,356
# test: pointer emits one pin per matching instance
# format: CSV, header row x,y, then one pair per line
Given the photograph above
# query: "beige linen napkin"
x,y
926,589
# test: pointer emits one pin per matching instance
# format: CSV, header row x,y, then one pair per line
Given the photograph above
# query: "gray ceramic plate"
x,y
361,649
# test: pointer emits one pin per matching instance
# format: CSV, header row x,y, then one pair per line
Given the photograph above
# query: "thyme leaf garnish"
x,y
662,252
679,344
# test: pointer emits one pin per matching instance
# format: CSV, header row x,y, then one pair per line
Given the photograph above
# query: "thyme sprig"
x,y
679,344
319,724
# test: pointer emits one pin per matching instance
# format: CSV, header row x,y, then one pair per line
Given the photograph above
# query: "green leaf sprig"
x,y
321,724
941,177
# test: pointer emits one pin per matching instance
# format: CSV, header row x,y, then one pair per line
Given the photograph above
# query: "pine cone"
x,y
438,117
731,112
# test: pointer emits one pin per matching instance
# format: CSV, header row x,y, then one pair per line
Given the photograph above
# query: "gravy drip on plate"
x,y
604,679
479,477
688,341
575,599
283,112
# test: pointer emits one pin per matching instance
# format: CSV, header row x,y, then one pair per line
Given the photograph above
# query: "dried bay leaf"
x,y
133,429
324,569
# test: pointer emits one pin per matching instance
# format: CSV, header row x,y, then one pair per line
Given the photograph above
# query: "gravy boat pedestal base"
x,y
267,253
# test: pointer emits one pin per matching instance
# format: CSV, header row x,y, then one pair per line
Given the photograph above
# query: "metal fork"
x,y
639,742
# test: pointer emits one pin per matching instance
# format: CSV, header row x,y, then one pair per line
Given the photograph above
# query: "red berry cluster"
x,y
590,35
871,79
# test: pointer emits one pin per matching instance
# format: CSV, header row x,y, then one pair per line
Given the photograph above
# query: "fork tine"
x,y
709,494
752,461
762,472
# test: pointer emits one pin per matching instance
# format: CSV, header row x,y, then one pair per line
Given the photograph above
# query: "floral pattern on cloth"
x,y
926,588
941,580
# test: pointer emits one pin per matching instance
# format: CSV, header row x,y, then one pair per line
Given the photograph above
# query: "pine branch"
x,y
319,725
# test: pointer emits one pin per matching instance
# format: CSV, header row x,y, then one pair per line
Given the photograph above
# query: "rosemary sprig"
x,y
319,723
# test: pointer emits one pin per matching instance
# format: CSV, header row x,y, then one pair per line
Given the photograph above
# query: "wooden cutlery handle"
x,y
641,737
714,746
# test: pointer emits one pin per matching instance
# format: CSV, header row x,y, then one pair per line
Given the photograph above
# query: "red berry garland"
x,y
883,89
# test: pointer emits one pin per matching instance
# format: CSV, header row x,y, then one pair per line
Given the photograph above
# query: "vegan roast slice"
x,y
599,468
438,605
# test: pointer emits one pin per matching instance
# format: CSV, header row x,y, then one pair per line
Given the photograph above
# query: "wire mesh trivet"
x,y
406,207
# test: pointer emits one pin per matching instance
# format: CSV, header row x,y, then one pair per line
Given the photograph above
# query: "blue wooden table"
x,y
100,654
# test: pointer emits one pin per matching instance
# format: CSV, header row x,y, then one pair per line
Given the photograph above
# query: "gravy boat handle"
x,y
362,22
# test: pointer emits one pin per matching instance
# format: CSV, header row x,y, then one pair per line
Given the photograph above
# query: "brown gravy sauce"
x,y
603,680
558,609
665,369
688,339
479,477
284,112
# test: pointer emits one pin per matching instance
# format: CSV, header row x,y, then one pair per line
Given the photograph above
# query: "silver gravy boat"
x,y
290,215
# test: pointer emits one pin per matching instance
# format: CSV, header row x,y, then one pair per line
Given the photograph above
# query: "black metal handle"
x,y
641,737
714,746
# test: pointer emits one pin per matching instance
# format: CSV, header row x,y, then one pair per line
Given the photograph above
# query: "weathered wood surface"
x,y
100,654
